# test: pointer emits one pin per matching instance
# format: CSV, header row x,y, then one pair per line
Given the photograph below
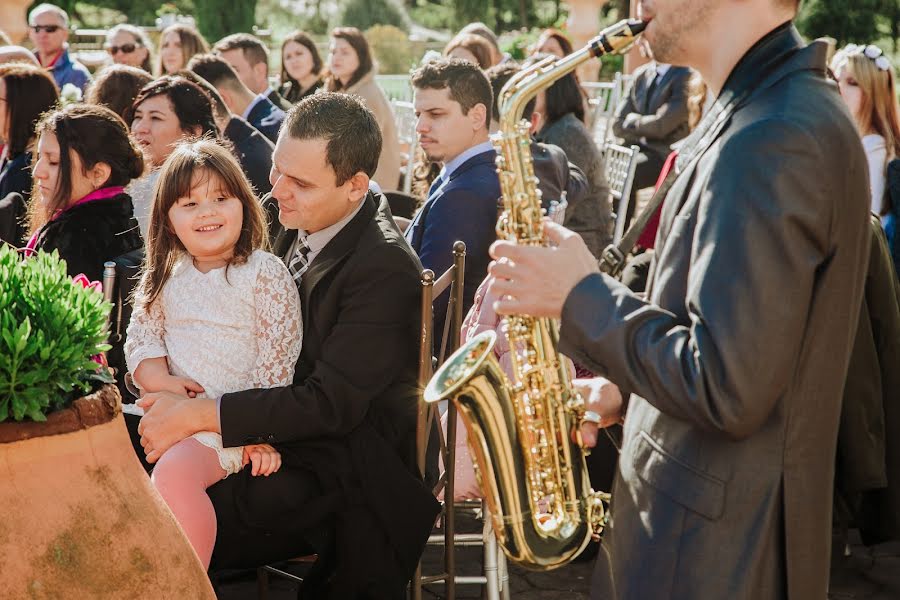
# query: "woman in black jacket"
x,y
26,92
84,160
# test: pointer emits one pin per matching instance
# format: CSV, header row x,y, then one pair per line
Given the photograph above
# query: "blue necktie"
x,y
435,186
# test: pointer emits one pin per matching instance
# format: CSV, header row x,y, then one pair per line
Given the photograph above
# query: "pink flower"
x,y
82,279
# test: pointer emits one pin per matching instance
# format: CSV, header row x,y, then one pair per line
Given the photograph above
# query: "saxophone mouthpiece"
x,y
617,38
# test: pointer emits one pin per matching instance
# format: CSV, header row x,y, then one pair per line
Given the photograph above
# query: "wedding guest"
x,y
553,41
83,162
249,58
351,70
301,67
169,110
561,123
257,109
487,34
129,45
116,87
866,80
472,48
177,44
10,54
27,92
49,31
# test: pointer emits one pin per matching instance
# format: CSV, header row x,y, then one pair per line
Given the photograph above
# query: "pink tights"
x,y
181,476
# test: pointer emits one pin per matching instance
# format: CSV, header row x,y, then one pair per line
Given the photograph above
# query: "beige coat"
x,y
388,173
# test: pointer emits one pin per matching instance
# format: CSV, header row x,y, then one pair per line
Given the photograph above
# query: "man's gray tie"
x,y
299,263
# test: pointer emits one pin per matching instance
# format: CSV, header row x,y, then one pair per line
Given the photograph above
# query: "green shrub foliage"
x,y
49,329
393,51
363,14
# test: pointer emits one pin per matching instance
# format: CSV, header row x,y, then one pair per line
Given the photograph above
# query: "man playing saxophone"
x,y
734,365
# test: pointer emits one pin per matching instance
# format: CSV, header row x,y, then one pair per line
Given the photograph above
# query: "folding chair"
x,y
405,118
602,106
450,281
621,163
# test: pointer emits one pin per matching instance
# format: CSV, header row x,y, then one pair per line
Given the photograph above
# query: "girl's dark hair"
x,y
30,92
191,104
357,41
564,97
300,37
97,135
203,157
116,87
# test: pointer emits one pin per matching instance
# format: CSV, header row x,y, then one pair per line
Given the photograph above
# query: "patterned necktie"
x,y
299,263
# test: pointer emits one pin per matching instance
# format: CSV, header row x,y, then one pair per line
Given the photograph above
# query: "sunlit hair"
x,y
190,163
878,110
191,43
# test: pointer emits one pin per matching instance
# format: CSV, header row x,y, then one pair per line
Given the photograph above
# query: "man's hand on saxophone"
x,y
602,397
535,280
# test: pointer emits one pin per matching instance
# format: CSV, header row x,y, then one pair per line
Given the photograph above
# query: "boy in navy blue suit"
x,y
453,105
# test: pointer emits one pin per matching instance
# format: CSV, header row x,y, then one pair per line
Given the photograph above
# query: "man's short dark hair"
x,y
253,49
467,83
499,75
350,129
215,70
219,106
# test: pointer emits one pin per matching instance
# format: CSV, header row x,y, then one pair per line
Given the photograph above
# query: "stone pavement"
x,y
868,574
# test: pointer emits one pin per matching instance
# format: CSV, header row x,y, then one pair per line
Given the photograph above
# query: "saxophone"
x,y
533,475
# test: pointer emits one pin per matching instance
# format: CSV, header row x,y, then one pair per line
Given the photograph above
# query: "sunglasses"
x,y
47,28
124,49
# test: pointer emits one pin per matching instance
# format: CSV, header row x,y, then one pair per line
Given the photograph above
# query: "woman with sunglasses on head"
x,y
866,80
128,45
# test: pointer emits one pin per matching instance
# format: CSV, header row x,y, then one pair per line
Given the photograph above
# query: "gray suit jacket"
x,y
738,360
663,113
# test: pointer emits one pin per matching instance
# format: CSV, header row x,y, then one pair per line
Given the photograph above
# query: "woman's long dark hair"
x,y
97,135
30,92
357,41
300,37
205,157
564,97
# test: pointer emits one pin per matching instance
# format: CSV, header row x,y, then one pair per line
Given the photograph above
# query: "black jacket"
x,y
92,233
267,118
293,94
350,416
15,178
278,100
254,151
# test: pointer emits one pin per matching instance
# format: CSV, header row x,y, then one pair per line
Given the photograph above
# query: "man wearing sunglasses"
x,y
48,29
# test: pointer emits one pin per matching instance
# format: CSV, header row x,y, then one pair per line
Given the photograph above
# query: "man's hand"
x,y
602,397
535,280
170,418
265,459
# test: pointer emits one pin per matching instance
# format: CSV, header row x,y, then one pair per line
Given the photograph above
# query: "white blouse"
x,y
876,154
227,330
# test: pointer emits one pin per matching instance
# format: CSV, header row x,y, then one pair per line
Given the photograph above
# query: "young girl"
x,y
213,314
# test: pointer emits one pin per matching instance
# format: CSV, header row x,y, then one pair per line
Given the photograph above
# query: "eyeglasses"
x,y
872,52
124,49
47,28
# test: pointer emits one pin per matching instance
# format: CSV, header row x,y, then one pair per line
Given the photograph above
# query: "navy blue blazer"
x,y
464,208
267,118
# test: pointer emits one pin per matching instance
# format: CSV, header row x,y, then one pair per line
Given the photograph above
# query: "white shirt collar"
x,y
259,98
662,69
452,165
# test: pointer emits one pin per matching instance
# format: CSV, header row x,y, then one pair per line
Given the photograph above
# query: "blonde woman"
x,y
866,80
177,44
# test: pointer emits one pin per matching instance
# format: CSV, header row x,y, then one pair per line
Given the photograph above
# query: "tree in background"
x,y
216,19
364,14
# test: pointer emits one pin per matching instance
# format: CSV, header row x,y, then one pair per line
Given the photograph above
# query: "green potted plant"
x,y
81,518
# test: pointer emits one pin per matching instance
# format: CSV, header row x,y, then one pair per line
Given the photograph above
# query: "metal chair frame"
x,y
451,281
621,163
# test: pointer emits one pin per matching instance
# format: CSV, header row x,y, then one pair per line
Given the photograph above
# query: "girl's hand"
x,y
264,458
183,386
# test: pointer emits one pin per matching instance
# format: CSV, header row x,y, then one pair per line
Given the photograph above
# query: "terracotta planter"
x,y
80,518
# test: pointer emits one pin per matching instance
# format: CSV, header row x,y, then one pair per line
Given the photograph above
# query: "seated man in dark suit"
x,y
348,488
249,58
453,105
252,149
254,108
653,116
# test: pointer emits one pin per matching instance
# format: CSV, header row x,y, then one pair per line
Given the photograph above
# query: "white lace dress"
x,y
228,334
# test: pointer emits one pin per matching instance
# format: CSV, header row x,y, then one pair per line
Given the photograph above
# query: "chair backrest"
x,y
405,118
601,106
395,87
120,277
621,163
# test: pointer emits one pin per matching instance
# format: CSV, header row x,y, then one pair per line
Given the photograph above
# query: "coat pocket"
x,y
688,486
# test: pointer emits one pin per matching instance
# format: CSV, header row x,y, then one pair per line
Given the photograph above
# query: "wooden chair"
x,y
621,163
